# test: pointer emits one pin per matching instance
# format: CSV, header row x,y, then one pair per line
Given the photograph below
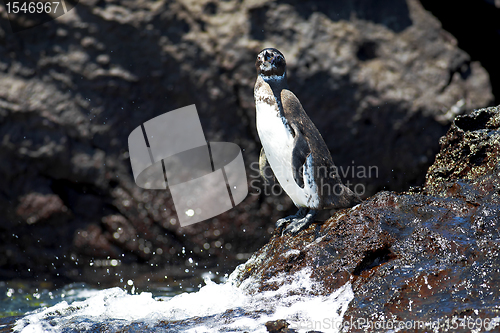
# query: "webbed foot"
x,y
298,222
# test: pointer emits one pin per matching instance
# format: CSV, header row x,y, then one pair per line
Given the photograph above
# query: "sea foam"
x,y
224,307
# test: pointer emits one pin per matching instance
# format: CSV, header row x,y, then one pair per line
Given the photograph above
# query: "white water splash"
x,y
214,308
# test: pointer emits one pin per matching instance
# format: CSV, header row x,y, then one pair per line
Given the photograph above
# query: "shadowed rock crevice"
x,y
374,258
258,20
367,51
473,123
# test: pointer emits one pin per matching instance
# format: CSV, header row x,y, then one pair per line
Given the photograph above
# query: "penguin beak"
x,y
267,55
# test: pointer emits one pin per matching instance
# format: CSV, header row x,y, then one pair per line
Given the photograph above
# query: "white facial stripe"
x,y
265,66
272,77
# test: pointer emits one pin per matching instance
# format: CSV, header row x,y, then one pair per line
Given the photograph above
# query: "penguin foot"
x,y
298,222
300,214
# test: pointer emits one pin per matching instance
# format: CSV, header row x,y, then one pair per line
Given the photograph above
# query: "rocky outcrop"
x,y
430,255
382,82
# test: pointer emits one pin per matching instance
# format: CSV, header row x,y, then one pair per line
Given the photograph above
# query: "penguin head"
x,y
271,63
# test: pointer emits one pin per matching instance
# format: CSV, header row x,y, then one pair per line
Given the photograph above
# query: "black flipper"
x,y
300,152
265,169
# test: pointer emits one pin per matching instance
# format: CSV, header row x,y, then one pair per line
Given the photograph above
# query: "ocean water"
x,y
215,307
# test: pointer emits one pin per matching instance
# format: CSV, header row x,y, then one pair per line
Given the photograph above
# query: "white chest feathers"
x,y
277,141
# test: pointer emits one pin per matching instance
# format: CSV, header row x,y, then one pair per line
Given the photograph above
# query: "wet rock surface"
x,y
429,254
278,326
379,81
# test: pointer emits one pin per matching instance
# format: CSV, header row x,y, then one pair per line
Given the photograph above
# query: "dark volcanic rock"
x,y
382,82
278,326
429,254
469,151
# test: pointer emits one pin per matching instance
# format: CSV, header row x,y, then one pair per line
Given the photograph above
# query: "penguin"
x,y
293,147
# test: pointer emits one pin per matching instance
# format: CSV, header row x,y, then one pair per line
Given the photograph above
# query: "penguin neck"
x,y
274,79
276,83
275,86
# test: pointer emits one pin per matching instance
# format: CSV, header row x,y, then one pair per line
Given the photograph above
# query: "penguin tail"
x,y
345,198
